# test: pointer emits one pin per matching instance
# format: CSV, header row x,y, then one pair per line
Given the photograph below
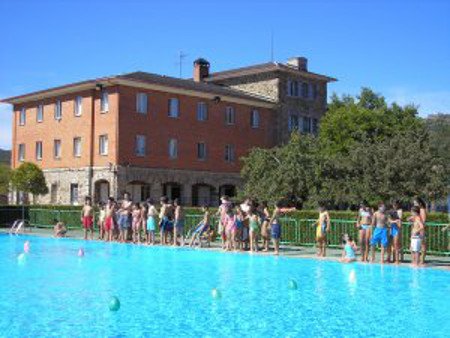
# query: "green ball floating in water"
x,y
216,294
114,303
292,285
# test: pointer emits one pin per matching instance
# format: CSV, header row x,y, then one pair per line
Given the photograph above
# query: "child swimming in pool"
x,y
201,228
59,230
349,250
322,227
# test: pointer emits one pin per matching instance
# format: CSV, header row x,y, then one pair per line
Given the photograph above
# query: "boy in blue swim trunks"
x,y
380,232
178,229
275,225
124,220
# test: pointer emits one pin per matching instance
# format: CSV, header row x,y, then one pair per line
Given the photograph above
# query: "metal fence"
x,y
295,231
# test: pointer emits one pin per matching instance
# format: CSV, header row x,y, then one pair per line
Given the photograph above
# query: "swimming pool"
x,y
167,292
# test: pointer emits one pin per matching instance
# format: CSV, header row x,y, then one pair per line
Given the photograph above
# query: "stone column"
x,y
186,190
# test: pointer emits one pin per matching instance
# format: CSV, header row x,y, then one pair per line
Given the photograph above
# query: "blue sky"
x,y
399,48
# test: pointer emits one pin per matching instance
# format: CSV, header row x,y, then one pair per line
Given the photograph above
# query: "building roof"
x,y
265,68
147,80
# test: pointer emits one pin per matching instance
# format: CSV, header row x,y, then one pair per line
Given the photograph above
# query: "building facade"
x,y
155,135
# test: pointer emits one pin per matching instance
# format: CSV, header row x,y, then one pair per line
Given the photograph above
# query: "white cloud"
x,y
429,102
5,126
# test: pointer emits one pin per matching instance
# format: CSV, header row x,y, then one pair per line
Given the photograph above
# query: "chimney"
x,y
298,62
201,69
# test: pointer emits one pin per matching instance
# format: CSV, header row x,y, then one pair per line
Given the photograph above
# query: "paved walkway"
x,y
439,262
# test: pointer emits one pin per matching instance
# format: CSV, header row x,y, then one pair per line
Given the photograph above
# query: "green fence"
x,y
296,231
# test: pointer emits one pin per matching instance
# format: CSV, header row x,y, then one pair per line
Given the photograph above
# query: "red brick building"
x,y
154,135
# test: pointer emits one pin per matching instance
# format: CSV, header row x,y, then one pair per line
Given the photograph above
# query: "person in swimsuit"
x,y
221,213
239,228
136,222
109,218
349,250
416,237
124,217
151,222
253,223
395,231
143,225
87,217
59,230
364,225
323,226
398,208
201,228
178,229
265,226
165,225
275,225
380,233
420,203
101,220
230,230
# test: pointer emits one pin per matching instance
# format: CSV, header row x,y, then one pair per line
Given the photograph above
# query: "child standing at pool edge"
x,y
275,225
322,227
87,217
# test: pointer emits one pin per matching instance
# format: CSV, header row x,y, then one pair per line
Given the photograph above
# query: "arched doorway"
x,y
139,191
202,194
101,191
172,190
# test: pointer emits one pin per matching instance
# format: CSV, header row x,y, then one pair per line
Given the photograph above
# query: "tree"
x,y
5,175
29,178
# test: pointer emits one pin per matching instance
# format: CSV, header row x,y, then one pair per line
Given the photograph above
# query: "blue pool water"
x,y
167,292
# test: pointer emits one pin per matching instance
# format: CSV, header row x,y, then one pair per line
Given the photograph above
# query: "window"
x,y
53,193
201,151
104,101
21,154
78,106
229,153
58,111
315,126
230,115
77,146
103,144
22,117
57,148
312,91
305,90
74,193
40,113
254,119
173,148
293,122
202,111
38,150
140,145
141,103
306,124
292,88
174,107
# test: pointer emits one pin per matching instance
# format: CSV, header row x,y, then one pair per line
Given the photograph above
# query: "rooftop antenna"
x,y
181,57
271,45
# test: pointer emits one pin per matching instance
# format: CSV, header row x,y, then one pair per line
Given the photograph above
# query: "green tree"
x,y
29,178
5,175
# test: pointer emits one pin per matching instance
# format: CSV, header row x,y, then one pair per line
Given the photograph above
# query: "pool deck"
x,y
438,262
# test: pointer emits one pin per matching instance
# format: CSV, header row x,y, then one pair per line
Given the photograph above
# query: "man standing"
x,y
124,217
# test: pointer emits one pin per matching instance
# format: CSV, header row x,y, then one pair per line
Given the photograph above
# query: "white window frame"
x,y
103,144
138,145
78,105
201,151
230,155
230,116
77,146
202,111
74,191
173,148
39,151
57,151
21,152
58,110
174,109
40,113
22,116
255,119
141,103
104,101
